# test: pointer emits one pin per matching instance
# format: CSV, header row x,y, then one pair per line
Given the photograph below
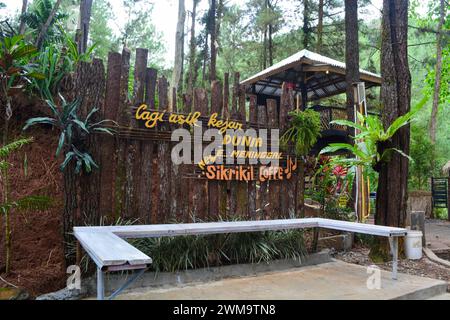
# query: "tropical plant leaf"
x,y
40,121
33,203
62,140
5,151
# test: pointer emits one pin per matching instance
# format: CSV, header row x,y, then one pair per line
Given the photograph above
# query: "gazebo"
x,y
313,77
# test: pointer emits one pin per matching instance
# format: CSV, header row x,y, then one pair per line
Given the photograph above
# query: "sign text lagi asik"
x,y
225,151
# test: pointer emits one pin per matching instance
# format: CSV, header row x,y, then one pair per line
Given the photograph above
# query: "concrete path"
x,y
330,281
438,235
445,296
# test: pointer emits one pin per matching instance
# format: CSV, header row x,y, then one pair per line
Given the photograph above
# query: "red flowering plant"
x,y
332,180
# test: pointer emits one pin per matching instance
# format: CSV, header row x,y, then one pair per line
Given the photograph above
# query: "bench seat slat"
x,y
170,230
107,249
361,228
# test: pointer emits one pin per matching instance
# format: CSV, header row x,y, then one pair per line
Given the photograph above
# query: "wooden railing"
x,y
329,114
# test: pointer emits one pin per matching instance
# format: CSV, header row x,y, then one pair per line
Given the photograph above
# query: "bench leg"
x,y
393,241
100,285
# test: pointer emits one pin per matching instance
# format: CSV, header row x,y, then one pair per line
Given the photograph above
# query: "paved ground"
x,y
438,235
331,281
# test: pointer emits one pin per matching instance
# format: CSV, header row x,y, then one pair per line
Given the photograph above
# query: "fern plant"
x,y
34,202
372,147
73,132
304,132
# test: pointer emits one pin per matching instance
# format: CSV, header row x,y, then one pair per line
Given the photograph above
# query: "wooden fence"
x,y
137,179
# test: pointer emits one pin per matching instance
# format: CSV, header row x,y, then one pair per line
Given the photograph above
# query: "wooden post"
x,y
110,111
213,186
123,119
138,198
263,121
234,116
253,119
274,186
147,155
200,186
90,87
223,187
164,158
186,184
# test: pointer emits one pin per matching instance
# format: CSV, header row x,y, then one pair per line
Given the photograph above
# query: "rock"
x,y
13,294
63,294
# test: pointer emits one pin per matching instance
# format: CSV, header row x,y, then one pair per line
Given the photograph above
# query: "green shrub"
x,y
441,213
194,252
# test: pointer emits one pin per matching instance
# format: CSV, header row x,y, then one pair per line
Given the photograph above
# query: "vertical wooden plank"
x,y
91,89
140,75
200,186
284,109
186,183
110,111
163,158
187,103
146,181
175,185
123,119
291,184
262,119
253,119
213,186
235,97
138,197
233,193
223,187
273,206
150,90
149,153
242,187
173,100
226,97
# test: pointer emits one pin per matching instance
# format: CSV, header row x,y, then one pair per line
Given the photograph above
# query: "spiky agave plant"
x,y
74,132
34,202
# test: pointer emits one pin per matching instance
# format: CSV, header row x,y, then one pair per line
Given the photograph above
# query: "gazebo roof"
x,y
324,77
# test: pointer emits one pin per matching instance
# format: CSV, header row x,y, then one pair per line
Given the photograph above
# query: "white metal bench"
x,y
110,252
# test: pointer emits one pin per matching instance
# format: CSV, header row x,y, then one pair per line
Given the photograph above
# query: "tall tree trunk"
x,y
396,100
83,25
213,33
220,13
205,57
22,21
320,28
270,45
47,24
270,40
306,28
192,49
437,84
179,45
264,56
351,55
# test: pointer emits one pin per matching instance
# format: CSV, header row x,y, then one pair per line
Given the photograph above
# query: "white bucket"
x,y
413,245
